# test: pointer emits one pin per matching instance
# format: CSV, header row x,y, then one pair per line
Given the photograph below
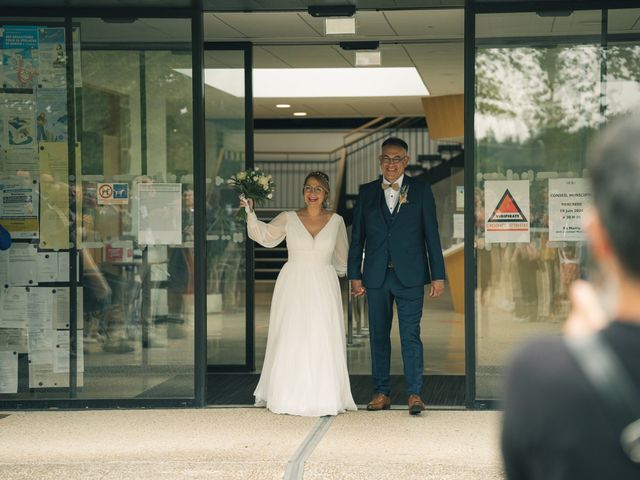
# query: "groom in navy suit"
x,y
394,223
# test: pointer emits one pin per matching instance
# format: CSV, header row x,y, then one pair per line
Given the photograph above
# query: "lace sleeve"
x,y
267,234
341,251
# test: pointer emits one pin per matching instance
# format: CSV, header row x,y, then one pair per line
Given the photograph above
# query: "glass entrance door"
x,y
229,149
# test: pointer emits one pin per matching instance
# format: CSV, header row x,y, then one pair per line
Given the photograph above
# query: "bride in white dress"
x,y
305,366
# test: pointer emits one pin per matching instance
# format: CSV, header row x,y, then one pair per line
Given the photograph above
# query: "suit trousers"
x,y
409,301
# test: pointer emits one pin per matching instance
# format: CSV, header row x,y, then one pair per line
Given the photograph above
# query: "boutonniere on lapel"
x,y
403,196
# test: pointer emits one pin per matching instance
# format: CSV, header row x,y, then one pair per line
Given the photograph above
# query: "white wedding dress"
x,y
305,365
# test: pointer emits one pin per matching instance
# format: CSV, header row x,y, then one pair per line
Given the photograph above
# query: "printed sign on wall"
x,y
506,211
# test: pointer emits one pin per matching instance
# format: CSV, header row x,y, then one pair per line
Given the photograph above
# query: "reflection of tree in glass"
x,y
521,92
623,79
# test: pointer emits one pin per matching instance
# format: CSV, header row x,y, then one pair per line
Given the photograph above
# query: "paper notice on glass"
x,y
506,209
18,112
568,200
9,372
3,132
40,308
20,162
23,265
41,344
159,213
14,339
60,308
54,161
47,267
43,376
61,352
19,207
14,307
458,225
19,198
63,267
52,61
4,269
459,197
21,228
54,215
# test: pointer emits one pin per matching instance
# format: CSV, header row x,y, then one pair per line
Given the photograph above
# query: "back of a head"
x,y
614,165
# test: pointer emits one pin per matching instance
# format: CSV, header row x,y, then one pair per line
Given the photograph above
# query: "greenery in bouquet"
x,y
253,184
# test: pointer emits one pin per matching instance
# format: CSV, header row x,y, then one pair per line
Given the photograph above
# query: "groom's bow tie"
x,y
393,186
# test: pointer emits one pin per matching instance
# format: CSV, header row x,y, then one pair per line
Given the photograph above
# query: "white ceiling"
x,y
429,40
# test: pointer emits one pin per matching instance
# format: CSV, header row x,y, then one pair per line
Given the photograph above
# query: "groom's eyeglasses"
x,y
392,160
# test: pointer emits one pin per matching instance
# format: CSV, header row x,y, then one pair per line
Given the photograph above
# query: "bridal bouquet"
x,y
253,184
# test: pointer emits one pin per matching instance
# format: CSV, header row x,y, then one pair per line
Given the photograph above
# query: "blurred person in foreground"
x,y
556,424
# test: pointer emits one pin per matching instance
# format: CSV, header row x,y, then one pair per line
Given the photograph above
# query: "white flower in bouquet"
x,y
253,184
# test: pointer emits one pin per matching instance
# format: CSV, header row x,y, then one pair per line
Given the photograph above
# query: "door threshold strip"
x,y
295,466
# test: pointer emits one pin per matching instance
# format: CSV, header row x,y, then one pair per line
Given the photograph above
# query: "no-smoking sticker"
x,y
113,193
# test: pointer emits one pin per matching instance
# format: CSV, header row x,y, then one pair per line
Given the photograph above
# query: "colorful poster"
x,y
506,211
51,116
19,207
52,61
20,56
568,200
18,115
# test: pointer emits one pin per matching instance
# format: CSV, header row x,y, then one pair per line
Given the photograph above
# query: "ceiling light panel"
x,y
318,82
340,26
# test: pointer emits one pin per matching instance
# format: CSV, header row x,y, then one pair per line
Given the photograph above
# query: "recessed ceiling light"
x,y
283,105
299,114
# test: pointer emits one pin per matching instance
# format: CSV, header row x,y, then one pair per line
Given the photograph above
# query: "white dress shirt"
x,y
390,195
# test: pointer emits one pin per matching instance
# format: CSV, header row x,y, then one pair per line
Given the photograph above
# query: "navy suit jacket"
x,y
409,238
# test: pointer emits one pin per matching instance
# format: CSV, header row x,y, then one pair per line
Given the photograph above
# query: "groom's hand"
x,y
436,289
357,290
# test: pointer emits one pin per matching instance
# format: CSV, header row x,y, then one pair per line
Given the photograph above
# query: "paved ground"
x,y
247,443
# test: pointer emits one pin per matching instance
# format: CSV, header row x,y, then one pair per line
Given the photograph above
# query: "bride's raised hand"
x,y
246,203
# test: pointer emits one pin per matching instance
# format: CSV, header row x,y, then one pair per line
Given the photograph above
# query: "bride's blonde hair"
x,y
323,180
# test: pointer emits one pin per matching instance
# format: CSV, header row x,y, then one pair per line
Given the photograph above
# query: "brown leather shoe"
x,y
380,401
415,405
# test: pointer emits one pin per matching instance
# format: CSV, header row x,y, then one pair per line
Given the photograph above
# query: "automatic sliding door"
x,y
228,136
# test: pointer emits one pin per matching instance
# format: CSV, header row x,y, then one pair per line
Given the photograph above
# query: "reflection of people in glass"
x,y
181,270
59,60
305,365
483,254
41,123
